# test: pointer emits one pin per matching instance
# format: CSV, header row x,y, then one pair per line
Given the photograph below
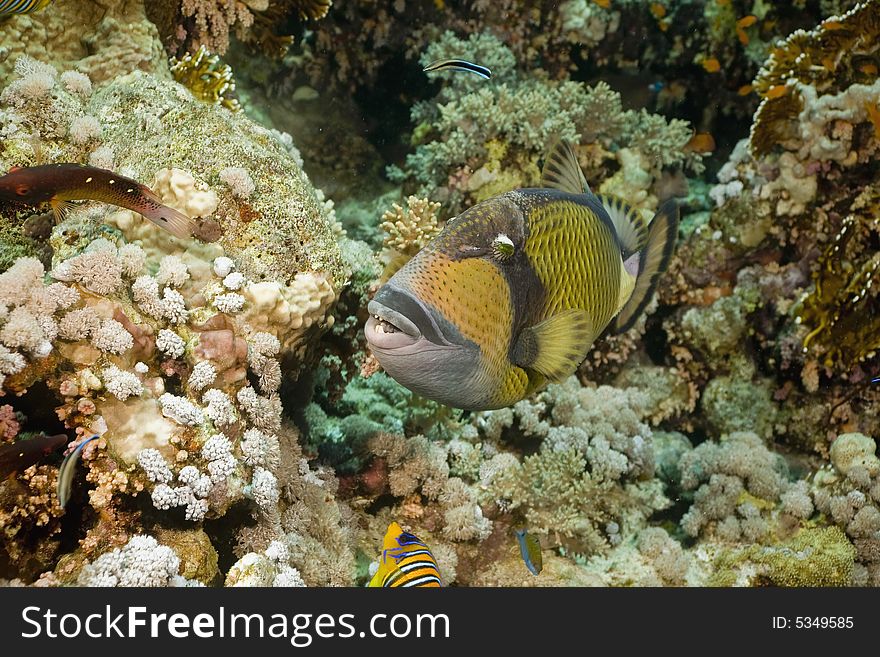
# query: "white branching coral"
x,y
203,374
170,344
77,83
172,272
261,449
121,384
173,306
145,292
112,337
97,270
234,281
78,324
220,409
84,129
141,562
154,465
263,412
264,489
223,266
239,181
217,450
180,409
229,303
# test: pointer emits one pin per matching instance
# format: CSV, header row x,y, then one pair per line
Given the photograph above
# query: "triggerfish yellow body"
x,y
58,184
405,561
513,292
22,6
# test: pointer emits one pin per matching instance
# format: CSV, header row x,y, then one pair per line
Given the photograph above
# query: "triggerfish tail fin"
x,y
556,346
561,170
628,224
653,260
68,470
174,221
405,562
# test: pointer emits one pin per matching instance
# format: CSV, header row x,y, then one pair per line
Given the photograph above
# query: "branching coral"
x,y
207,78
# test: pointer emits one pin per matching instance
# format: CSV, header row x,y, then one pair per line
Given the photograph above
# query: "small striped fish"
x,y
406,561
459,65
22,6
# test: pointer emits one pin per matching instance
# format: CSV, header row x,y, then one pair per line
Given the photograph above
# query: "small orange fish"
x,y
58,184
747,21
874,116
776,91
745,90
605,4
868,68
658,10
833,25
701,142
711,64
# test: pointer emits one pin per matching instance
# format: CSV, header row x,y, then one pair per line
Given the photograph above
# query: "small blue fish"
x,y
21,6
530,549
459,65
68,469
656,87
875,379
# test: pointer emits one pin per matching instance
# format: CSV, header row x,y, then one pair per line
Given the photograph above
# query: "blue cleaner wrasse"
x,y
68,470
9,7
513,292
530,550
24,453
405,561
459,65
59,184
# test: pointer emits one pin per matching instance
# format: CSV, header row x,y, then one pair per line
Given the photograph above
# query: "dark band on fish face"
x,y
433,326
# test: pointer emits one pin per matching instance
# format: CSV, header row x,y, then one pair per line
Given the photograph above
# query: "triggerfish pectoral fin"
x,y
653,260
556,346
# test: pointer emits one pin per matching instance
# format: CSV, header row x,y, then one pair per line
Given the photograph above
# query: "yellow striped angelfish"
x,y
405,561
22,6
513,292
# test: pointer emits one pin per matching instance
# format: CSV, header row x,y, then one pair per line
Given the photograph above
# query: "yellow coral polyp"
x,y
207,78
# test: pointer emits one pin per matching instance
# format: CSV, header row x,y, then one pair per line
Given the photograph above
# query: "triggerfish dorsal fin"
x,y
556,346
653,260
561,170
628,224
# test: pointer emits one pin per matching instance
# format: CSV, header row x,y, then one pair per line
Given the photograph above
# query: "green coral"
x,y
736,403
819,556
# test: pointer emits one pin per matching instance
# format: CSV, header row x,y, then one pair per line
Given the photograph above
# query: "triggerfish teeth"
x,y
513,292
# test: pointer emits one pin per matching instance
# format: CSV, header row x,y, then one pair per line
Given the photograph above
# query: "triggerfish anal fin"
x,y
653,261
68,470
561,170
628,224
530,550
556,346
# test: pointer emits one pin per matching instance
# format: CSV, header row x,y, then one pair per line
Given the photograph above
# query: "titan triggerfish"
x,y
513,292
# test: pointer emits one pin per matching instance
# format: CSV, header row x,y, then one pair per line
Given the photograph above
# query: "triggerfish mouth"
x,y
513,292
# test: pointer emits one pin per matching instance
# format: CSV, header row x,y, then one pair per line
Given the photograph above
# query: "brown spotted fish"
x,y
59,184
24,453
